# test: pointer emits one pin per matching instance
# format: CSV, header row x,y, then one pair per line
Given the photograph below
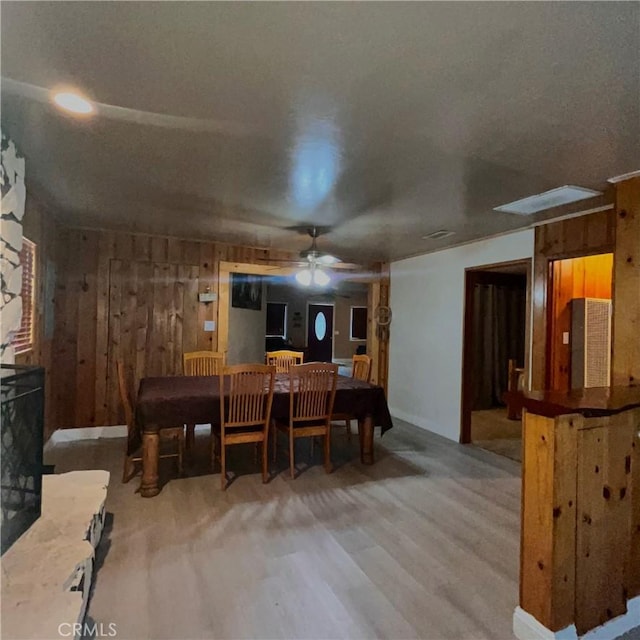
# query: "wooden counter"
x,y
590,403
580,535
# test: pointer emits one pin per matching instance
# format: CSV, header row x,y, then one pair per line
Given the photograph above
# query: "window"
x,y
23,338
276,320
358,323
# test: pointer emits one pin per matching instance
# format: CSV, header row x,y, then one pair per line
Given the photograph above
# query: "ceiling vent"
x,y
439,235
548,200
624,176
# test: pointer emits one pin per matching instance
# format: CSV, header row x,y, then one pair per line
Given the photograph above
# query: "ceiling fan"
x,y
314,261
313,255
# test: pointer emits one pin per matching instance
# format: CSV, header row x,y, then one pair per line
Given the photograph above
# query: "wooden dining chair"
x,y
312,391
283,359
246,394
361,370
169,438
200,363
203,363
515,386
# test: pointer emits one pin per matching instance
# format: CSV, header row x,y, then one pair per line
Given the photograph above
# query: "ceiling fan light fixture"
x,y
321,278
304,277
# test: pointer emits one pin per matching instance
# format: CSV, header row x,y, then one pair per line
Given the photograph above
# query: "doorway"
x,y
495,354
572,283
320,332
368,284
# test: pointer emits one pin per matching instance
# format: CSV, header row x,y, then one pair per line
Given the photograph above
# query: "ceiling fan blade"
x,y
327,259
310,230
345,266
283,260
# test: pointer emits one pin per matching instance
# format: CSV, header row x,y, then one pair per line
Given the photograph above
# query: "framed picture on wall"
x,y
246,291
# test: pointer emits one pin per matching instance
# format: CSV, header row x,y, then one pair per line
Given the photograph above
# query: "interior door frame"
x,y
470,278
224,291
333,327
377,279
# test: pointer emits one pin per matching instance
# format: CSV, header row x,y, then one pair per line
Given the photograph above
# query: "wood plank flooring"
x,y
423,544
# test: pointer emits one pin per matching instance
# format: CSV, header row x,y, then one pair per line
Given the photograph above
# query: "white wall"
x,y
427,299
246,334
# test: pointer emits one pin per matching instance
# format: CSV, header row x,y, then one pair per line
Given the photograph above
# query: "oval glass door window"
x,y
320,326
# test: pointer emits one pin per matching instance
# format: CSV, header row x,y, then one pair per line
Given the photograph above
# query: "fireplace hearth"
x,y
21,445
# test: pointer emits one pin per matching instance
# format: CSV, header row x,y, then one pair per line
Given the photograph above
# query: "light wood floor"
x,y
423,544
493,431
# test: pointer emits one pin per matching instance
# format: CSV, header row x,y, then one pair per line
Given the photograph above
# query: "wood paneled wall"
x,y
571,238
40,226
580,519
585,277
614,231
625,365
132,297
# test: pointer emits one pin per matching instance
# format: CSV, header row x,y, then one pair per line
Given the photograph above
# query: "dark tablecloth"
x,y
174,400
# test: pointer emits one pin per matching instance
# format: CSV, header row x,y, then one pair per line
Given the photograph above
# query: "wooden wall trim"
x,y
225,269
625,366
383,344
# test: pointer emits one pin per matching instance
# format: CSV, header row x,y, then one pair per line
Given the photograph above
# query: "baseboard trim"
x,y
423,423
88,433
526,627
95,433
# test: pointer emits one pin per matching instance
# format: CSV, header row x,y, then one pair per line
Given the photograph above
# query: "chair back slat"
x,y
312,391
361,368
284,359
247,395
203,363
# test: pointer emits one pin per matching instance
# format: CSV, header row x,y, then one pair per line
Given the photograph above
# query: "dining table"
x,y
170,401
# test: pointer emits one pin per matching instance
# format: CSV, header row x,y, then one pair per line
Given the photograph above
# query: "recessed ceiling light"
x,y
548,200
439,235
73,102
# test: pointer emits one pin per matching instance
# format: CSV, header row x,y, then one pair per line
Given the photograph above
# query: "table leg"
x,y
365,432
150,455
191,436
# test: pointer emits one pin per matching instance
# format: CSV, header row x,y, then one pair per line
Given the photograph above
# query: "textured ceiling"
x,y
386,120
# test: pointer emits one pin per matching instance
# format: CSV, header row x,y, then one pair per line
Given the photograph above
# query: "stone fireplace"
x,y
21,444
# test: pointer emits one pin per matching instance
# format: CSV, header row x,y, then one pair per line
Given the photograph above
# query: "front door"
x,y
320,333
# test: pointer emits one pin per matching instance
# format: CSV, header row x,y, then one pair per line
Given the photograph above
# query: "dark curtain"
x,y
498,335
